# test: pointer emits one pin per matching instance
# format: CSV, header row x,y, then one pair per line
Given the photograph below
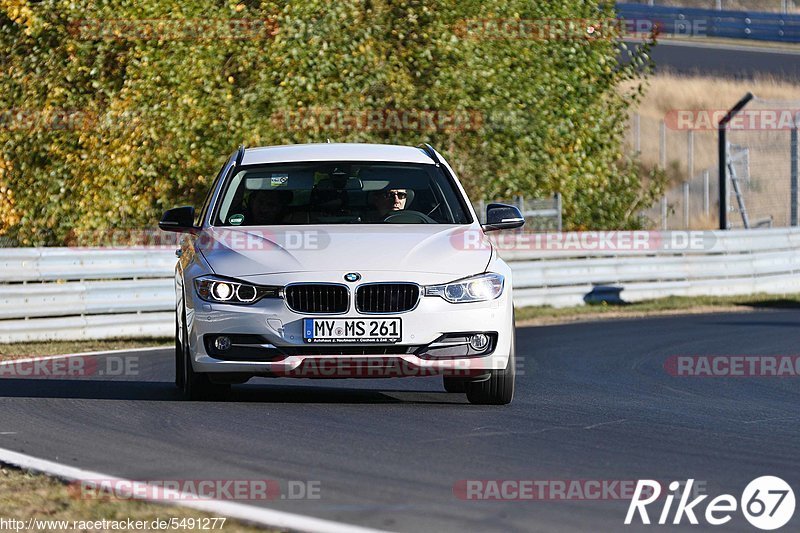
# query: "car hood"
x,y
457,250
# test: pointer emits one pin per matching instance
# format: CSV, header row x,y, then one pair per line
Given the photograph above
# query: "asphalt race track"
x,y
594,403
713,59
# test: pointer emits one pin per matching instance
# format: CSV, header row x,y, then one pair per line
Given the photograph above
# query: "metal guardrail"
x,y
698,22
59,293
86,293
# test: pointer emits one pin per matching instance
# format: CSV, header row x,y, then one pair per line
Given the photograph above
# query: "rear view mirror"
x,y
180,219
502,216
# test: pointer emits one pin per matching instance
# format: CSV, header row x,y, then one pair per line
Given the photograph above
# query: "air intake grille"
x,y
317,298
387,297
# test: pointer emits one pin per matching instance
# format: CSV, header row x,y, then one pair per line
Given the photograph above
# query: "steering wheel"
x,y
408,216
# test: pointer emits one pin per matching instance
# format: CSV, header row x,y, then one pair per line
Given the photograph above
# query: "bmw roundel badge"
x,y
352,277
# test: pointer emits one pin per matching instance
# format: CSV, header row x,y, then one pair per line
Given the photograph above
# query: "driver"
x,y
268,207
388,201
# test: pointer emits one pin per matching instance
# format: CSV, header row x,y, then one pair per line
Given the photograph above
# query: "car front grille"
x,y
317,298
387,297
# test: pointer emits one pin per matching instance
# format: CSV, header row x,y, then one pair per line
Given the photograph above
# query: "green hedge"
x,y
106,132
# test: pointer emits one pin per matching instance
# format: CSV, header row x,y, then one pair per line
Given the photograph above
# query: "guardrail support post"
x,y
559,208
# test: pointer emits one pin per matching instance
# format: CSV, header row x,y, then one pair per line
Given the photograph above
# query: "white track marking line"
x,y
68,355
249,513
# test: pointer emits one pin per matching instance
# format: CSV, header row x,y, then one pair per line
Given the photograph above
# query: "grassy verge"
x,y
662,306
25,495
39,349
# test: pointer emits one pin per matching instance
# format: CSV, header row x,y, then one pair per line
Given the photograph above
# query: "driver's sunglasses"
x,y
401,195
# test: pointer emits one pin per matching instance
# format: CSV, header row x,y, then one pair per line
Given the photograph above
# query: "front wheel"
x,y
499,388
196,385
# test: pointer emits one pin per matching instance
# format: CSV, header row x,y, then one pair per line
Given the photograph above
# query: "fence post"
x,y
793,174
722,153
664,212
690,153
706,194
685,205
722,150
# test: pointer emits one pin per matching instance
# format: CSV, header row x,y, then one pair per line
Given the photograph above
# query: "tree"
x,y
116,111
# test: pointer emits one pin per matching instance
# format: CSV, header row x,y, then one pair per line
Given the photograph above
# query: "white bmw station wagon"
x,y
342,261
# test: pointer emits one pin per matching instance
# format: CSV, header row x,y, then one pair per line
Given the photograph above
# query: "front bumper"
x,y
277,325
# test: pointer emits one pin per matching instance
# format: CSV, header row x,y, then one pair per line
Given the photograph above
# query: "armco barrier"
x,y
698,22
71,294
94,293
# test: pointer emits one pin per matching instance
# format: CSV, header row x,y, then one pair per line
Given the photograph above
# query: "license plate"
x,y
332,330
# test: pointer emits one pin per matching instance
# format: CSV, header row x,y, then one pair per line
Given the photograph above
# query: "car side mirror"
x,y
502,216
180,219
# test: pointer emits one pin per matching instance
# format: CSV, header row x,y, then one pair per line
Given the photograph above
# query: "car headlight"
x,y
474,289
229,291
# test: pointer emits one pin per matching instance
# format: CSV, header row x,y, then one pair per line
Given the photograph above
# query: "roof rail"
x,y
430,152
239,155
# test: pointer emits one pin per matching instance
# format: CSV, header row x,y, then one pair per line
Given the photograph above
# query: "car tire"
x,y
454,385
499,388
196,385
178,356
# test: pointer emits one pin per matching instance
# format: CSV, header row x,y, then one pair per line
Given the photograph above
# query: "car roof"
x,y
335,152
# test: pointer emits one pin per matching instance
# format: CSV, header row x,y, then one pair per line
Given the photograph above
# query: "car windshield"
x,y
340,193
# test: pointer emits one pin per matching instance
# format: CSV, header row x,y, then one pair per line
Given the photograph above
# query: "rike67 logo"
x,y
767,503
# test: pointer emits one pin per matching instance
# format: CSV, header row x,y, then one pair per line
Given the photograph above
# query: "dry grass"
x,y
24,495
671,91
40,349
